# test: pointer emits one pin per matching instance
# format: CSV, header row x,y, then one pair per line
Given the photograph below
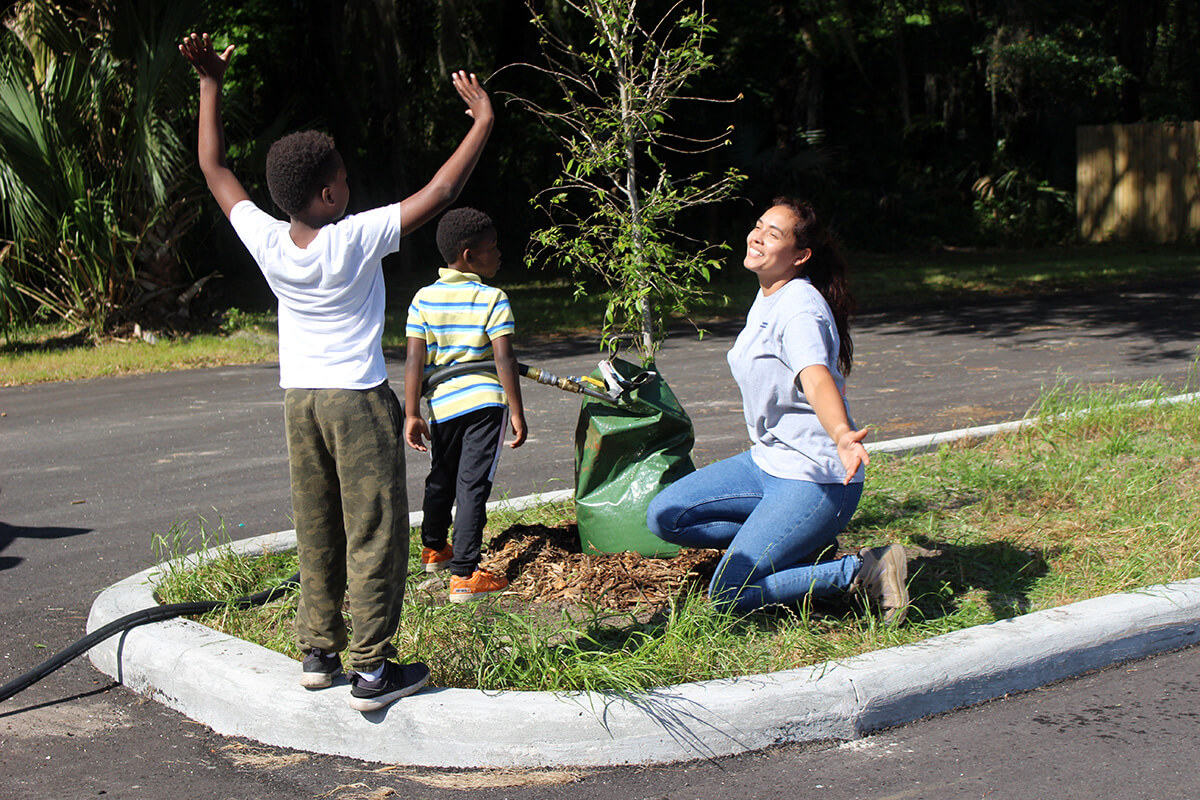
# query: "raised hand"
x,y
198,50
479,105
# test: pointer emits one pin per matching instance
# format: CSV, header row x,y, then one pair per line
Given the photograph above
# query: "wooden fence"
x,y
1138,182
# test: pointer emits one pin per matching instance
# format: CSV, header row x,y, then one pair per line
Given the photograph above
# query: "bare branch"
x,y
610,206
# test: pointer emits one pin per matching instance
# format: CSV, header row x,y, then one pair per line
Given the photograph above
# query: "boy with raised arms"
x,y
343,421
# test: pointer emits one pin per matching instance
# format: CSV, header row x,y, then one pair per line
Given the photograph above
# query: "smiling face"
x,y
771,251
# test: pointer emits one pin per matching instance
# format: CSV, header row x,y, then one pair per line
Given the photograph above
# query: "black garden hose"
x,y
160,613
146,615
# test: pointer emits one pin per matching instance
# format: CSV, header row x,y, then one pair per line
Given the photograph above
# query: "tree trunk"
x,y
901,70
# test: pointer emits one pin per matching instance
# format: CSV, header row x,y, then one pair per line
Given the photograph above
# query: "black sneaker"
x,y
319,669
397,680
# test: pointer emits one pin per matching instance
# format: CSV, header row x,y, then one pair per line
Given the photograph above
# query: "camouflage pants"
x,y
350,505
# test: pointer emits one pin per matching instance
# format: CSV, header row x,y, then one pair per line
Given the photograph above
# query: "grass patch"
x,y
224,576
548,308
1100,497
51,353
883,281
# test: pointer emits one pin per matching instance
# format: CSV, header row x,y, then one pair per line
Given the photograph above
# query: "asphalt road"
x,y
91,470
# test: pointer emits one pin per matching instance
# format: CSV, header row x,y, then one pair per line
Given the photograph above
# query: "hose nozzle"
x,y
587,386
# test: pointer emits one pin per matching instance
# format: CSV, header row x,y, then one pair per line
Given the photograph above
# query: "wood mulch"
x,y
544,564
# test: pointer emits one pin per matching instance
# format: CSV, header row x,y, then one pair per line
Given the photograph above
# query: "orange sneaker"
x,y
481,584
436,560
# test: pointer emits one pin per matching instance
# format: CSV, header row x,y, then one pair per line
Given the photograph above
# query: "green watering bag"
x,y
624,455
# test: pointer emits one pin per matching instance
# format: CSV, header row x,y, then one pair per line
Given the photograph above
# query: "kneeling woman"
x,y
777,508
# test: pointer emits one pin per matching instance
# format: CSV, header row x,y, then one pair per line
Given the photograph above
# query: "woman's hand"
x,y
852,452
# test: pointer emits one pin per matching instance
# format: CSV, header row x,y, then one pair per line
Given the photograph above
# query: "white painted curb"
x,y
931,441
241,689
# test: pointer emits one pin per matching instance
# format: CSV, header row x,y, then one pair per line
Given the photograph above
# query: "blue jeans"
x,y
772,529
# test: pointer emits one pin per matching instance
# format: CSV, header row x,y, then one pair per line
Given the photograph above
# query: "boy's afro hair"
x,y
298,166
460,229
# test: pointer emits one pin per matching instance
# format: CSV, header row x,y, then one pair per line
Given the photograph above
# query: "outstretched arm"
x,y
447,182
211,66
823,395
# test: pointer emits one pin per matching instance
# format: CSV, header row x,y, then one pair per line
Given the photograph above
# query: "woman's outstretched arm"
x,y
822,392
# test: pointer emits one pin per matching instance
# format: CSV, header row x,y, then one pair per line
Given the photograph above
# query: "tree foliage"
x,y
620,81
91,160
889,112
909,123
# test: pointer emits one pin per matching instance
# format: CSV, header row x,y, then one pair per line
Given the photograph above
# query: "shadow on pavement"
x,y
1166,315
10,533
58,701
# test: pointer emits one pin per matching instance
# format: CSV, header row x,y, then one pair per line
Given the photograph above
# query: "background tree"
x,y
911,123
92,167
890,113
374,74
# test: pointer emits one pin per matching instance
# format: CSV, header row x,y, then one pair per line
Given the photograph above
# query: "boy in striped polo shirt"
x,y
460,319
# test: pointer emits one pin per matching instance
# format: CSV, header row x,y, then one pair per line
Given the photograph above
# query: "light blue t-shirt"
x,y
786,332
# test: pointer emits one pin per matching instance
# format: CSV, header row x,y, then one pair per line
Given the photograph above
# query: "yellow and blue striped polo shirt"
x,y
458,316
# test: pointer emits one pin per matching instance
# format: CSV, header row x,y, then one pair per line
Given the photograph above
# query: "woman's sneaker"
x,y
436,560
882,576
397,680
319,668
480,584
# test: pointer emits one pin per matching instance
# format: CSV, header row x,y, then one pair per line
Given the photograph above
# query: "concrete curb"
x,y
931,441
241,689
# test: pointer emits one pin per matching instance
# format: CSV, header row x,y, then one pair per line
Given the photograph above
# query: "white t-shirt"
x,y
331,294
786,332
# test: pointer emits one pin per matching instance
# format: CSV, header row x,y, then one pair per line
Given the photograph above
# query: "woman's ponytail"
x,y
826,270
